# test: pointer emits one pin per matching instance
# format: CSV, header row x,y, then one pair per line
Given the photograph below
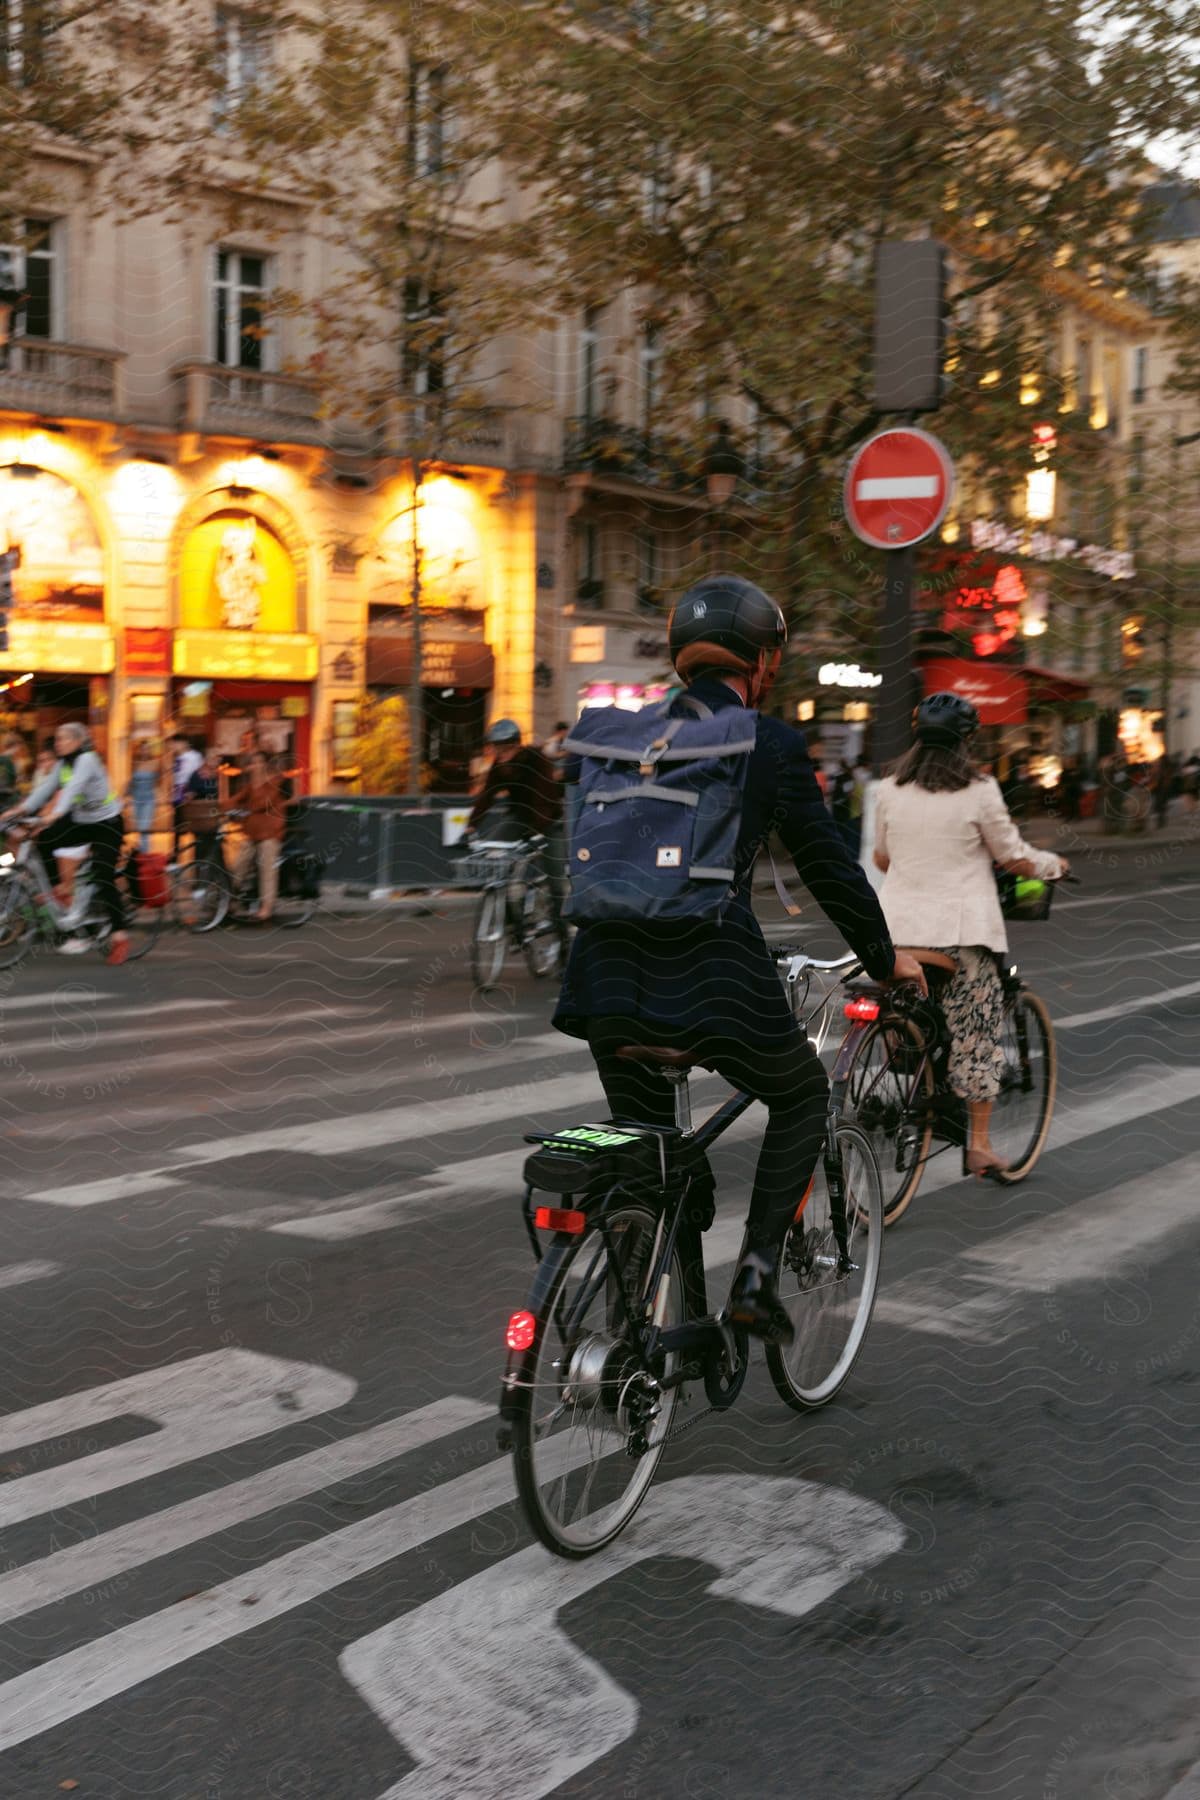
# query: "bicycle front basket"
x,y
483,866
1024,897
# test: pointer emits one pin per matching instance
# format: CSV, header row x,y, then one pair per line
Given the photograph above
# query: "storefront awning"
x,y
997,691
1047,684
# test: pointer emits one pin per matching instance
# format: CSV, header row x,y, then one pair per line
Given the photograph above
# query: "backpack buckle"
x,y
650,756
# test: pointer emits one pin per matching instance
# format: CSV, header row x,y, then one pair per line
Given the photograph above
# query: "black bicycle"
x,y
515,908
617,1325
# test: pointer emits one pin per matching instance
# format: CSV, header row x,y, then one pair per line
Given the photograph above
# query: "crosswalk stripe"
x,y
66,1686
1122,1008
267,1032
100,1559
113,1004
20,1274
97,1193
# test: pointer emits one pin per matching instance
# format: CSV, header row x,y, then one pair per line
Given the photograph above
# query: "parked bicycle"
x,y
200,894
30,912
515,908
616,1326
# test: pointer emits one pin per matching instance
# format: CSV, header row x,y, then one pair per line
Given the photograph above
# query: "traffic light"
x,y
910,324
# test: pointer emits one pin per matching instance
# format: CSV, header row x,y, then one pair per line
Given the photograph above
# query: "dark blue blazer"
x,y
720,978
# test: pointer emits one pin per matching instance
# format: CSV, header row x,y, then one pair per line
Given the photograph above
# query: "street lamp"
x,y
723,468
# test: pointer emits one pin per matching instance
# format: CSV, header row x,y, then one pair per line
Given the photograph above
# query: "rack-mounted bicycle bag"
x,y
588,1158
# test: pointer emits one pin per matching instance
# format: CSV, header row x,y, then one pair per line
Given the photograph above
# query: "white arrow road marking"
x,y
200,1406
96,1560
486,1691
898,487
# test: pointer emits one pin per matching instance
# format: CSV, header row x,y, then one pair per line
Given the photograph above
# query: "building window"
x,y
589,363
1141,373
589,583
25,30
240,338
428,119
649,368
243,61
1137,463
425,339
649,592
33,266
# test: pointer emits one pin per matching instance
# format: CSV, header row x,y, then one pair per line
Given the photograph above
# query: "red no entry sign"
x,y
898,487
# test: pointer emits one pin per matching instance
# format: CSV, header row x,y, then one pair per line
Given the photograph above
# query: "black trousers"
x,y
786,1075
105,837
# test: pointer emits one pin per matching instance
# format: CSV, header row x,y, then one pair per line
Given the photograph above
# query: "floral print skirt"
x,y
972,1003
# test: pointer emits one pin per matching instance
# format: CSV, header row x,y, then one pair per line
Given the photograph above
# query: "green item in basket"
x,y
1029,887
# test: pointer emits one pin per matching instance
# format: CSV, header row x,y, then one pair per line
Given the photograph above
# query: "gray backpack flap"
x,y
660,811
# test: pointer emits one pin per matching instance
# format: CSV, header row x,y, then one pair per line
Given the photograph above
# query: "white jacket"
x,y
940,890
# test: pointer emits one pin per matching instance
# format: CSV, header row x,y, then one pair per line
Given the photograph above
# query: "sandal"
x,y
985,1165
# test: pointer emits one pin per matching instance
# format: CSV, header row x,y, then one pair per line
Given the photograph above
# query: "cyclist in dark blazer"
x,y
713,988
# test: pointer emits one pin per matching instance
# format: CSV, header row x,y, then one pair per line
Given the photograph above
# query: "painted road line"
x,y
97,1193
69,1029
1121,898
1122,1008
201,1406
100,1559
73,994
452,1679
20,1274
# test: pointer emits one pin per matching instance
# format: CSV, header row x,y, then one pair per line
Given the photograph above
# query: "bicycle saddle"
x,y
931,959
658,1056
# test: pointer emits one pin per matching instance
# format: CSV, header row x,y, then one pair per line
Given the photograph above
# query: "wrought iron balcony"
x,y
60,381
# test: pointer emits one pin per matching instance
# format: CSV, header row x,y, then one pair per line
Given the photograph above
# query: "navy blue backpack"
x,y
660,811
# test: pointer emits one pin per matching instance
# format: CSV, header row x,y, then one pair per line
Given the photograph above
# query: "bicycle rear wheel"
x,y
18,919
201,897
587,1404
293,910
143,923
543,943
830,1306
1024,1106
888,1094
487,943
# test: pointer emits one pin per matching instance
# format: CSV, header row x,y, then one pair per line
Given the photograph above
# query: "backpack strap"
x,y
790,906
696,707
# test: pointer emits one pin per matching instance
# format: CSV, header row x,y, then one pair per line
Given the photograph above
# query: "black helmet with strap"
x,y
724,623
945,721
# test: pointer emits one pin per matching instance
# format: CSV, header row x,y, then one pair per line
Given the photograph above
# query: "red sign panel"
x,y
147,650
997,691
898,487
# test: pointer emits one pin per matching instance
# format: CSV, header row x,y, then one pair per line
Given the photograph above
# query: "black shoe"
x,y
754,1302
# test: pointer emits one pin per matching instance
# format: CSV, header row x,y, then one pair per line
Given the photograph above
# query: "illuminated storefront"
x,y
243,670
445,561
61,652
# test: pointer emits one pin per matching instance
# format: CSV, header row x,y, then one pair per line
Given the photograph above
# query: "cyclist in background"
x,y
87,812
522,797
940,825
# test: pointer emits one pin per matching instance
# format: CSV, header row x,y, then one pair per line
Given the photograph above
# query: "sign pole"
x,y
893,717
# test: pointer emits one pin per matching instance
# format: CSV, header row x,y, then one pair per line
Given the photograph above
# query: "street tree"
x,y
734,167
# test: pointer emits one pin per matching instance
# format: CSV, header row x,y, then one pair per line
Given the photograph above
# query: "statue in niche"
x,y
239,577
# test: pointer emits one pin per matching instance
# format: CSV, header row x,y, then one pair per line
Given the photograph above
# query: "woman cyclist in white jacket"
x,y
940,825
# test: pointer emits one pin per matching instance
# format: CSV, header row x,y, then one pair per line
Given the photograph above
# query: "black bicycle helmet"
x,y
724,622
945,721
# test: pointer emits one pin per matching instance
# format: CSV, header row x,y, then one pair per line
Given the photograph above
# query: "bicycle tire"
x,y
293,911
201,897
892,1103
1037,1064
488,938
18,919
832,1328
579,1370
543,942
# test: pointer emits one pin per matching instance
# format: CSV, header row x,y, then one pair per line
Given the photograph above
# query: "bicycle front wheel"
x,y
543,943
591,1421
142,923
828,1301
201,897
18,919
487,944
888,1095
1024,1106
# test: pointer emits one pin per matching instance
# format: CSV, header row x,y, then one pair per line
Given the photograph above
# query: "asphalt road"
x,y
261,1238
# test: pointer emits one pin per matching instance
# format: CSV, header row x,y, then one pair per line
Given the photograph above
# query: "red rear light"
x,y
521,1329
861,1009
560,1218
